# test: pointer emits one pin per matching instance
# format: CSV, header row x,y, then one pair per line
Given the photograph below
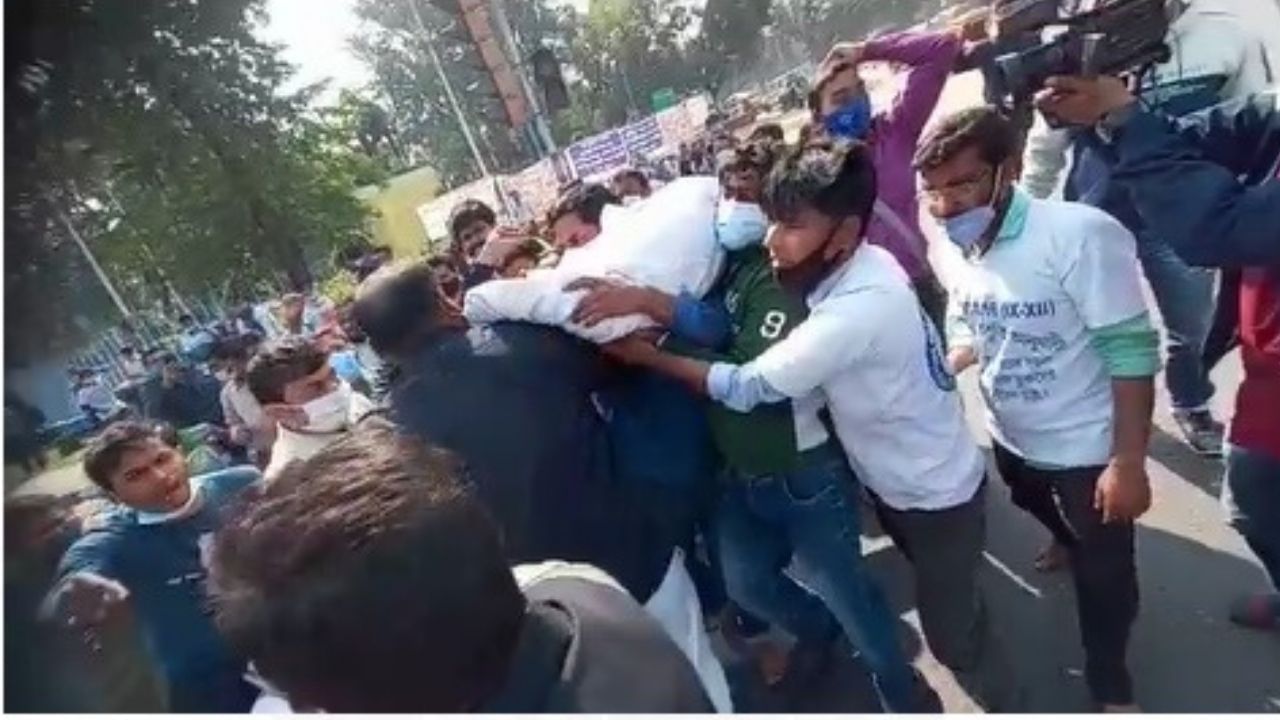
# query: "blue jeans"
x,y
810,515
1184,295
1251,496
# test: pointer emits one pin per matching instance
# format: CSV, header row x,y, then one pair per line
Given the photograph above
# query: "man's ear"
x,y
844,239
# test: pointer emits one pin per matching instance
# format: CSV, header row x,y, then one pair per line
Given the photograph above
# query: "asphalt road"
x,y
1184,655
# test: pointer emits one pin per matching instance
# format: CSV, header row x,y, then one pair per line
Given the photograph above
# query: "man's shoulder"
x,y
1069,218
223,485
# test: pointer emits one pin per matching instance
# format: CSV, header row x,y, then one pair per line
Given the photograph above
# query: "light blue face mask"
x,y
966,229
740,224
851,121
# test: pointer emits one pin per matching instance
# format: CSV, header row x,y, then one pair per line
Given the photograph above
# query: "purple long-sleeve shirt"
x,y
896,131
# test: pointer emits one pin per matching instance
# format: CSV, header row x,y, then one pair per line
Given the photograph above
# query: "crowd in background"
x,y
381,507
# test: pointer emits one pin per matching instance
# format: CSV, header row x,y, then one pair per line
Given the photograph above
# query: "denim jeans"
x,y
1251,496
810,515
1184,295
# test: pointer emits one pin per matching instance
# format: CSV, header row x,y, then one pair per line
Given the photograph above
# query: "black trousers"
x,y
1102,564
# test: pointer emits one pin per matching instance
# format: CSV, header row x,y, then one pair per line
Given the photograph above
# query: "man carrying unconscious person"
x,y
842,109
368,578
789,494
518,404
872,354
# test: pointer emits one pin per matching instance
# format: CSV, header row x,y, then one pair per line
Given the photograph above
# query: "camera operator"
x,y
1216,55
1184,182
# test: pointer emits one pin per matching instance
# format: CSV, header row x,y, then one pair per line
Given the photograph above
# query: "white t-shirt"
x,y
1026,307
877,361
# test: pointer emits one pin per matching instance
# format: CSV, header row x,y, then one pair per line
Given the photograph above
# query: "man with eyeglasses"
x,y
1050,307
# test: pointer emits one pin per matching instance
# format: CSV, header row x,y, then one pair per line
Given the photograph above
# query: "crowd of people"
x,y
512,519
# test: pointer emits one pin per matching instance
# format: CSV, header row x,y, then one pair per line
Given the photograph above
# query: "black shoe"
x,y
1201,431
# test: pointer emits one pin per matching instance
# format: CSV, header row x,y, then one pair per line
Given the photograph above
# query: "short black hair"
x,y
838,179
467,213
632,174
587,201
398,307
233,349
185,319
770,132
758,155
107,449
280,363
825,77
127,350
370,578
994,135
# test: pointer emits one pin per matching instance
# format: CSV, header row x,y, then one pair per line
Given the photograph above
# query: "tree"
x,y
160,130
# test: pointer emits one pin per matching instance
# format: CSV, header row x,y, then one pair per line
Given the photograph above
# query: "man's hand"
x,y
638,349
502,244
1083,101
605,300
84,602
1123,492
845,53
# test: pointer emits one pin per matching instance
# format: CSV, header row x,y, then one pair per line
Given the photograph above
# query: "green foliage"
x,y
161,129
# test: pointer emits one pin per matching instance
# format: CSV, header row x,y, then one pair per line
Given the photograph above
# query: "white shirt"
x,y
876,359
1026,307
292,445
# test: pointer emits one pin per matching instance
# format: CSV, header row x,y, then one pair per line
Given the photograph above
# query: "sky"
x,y
314,35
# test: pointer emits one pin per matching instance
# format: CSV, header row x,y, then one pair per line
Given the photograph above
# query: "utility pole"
x,y
429,39
88,256
541,124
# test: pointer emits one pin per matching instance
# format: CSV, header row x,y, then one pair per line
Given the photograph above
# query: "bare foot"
x,y
1053,558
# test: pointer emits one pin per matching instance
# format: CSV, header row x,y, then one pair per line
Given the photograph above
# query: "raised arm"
x,y
929,58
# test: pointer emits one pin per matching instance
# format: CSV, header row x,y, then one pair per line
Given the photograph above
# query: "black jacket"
x,y
587,648
516,403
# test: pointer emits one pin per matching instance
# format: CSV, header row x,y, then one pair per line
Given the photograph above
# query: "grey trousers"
x,y
945,551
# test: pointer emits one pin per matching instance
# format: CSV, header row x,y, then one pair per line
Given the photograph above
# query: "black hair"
x,y
105,451
632,174
587,201
837,179
370,578
185,319
994,135
398,307
127,350
815,94
280,363
233,349
467,213
769,132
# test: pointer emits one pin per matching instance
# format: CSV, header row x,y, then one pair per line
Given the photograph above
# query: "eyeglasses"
x,y
958,189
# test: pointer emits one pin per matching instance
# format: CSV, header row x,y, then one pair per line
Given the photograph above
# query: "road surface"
x,y
1184,655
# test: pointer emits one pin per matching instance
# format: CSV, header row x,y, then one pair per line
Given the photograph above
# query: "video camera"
x,y
1115,37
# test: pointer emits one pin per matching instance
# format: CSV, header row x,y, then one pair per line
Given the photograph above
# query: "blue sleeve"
x,y
224,486
702,322
1195,204
94,552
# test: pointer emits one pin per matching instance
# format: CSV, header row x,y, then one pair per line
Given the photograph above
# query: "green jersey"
x,y
761,313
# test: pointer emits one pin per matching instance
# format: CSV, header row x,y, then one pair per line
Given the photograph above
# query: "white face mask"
x,y
740,224
328,413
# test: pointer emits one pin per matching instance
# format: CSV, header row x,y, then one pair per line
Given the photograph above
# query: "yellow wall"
x,y
396,224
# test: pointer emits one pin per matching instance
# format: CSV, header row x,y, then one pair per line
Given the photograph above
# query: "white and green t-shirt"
x,y
1056,272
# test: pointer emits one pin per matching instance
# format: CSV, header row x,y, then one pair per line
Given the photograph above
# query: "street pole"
x,y
93,262
448,88
541,124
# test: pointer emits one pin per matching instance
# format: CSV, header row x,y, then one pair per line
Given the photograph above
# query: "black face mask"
x,y
800,280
